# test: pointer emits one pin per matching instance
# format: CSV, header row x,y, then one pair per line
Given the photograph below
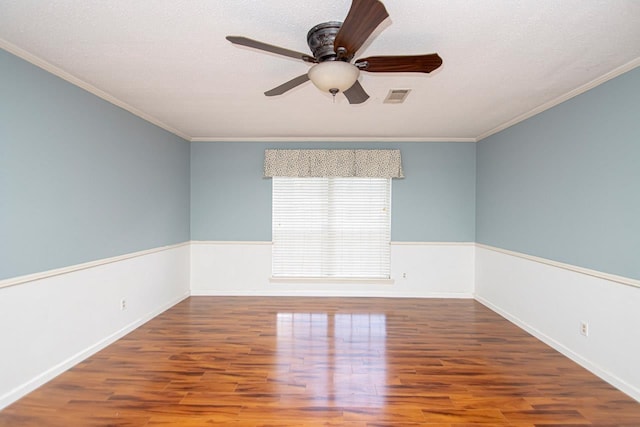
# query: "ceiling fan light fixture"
x,y
333,76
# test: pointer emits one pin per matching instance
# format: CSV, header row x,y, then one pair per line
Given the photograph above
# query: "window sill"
x,y
354,280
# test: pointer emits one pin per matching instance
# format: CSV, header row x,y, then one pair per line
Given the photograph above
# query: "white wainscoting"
x,y
550,301
444,270
50,322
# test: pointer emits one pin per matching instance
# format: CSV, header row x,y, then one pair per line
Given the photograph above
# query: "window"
x,y
332,211
331,227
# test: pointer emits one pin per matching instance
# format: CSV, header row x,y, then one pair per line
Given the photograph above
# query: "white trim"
x,y
597,370
316,294
230,242
38,62
64,270
433,243
594,273
69,269
29,57
22,390
329,139
265,242
559,100
349,280
56,272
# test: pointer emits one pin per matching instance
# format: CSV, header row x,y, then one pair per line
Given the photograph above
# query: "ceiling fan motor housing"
x,y
320,40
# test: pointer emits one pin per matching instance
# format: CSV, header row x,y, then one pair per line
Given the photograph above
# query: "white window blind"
x,y
331,227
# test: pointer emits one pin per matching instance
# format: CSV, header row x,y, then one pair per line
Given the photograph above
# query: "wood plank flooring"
x,y
249,361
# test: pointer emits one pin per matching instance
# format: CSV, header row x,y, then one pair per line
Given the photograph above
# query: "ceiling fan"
x,y
334,45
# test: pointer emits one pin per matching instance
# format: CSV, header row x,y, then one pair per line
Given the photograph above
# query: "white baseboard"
x,y
344,294
551,301
58,369
57,320
614,380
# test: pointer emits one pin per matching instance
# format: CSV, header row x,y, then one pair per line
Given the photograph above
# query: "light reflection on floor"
x,y
338,357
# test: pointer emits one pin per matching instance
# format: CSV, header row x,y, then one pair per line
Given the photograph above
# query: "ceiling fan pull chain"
x,y
333,92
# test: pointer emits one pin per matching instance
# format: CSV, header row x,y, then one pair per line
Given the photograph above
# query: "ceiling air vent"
x,y
396,96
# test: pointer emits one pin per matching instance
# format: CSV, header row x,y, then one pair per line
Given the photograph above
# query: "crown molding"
x,y
329,139
50,68
559,100
23,54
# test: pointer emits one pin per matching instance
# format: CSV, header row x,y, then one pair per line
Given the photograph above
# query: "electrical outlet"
x,y
584,329
404,275
123,304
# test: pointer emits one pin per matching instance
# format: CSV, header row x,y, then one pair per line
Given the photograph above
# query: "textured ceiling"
x,y
168,61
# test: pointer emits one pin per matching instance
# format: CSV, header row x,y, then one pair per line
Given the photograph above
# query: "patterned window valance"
x,y
328,163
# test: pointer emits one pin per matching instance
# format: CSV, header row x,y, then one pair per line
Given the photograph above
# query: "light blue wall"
x,y
81,179
435,202
565,184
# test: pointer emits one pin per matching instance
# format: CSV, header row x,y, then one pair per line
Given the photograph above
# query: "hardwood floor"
x,y
250,361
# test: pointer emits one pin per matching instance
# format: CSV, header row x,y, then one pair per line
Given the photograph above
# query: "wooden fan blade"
x,y
400,64
356,94
363,17
270,48
287,86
